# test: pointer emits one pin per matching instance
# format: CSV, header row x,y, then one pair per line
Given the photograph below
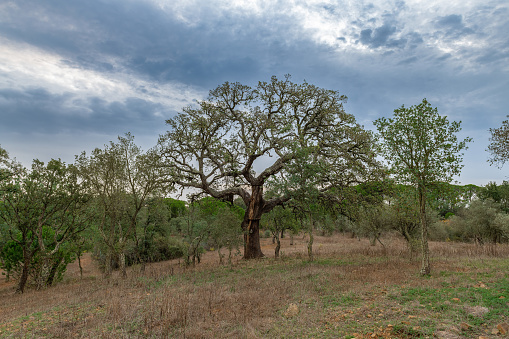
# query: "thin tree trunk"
x,y
278,247
230,257
27,258
81,267
53,270
107,264
221,256
426,268
310,246
372,241
121,259
311,239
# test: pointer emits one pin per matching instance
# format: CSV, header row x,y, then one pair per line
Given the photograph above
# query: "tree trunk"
x,y
107,263
310,246
426,268
278,247
53,271
121,259
27,258
372,241
251,224
81,267
310,243
221,256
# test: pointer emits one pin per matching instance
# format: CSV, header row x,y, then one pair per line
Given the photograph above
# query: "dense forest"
x,y
274,161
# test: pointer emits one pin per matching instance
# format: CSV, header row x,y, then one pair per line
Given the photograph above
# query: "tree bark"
x,y
278,247
426,268
311,238
81,267
121,259
107,263
53,271
27,258
310,246
251,224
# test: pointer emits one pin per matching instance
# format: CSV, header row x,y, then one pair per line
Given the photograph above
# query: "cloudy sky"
x,y
75,74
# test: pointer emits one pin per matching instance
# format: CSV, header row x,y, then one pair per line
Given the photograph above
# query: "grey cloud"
x,y
147,40
381,37
453,24
493,55
39,111
453,20
408,61
444,57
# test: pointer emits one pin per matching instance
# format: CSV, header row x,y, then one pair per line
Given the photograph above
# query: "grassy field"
x,y
351,290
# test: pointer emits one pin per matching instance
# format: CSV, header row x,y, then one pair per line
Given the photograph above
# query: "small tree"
x,y
373,222
44,209
279,219
195,231
225,231
422,149
121,178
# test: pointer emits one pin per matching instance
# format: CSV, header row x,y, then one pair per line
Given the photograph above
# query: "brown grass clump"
x,y
352,289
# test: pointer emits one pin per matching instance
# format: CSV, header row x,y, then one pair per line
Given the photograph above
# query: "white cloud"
x,y
23,66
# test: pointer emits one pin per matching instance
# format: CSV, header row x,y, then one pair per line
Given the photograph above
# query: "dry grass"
x,y
350,290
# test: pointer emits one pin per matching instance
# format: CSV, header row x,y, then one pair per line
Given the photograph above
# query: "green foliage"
x,y
481,222
499,145
43,210
11,258
176,208
422,149
279,219
208,223
225,231
373,222
447,199
496,193
421,146
121,178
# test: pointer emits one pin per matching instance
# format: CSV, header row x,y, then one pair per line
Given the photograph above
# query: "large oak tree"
x,y
233,142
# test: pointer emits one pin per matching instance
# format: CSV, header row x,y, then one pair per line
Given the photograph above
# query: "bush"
x,y
482,222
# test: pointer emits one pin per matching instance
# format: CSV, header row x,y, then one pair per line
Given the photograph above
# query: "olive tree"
x,y
44,208
422,149
121,178
233,142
